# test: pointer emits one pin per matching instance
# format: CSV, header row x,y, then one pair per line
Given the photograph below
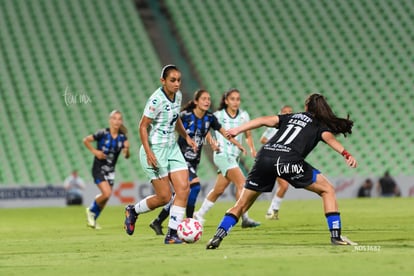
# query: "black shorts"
x,y
192,169
262,176
101,174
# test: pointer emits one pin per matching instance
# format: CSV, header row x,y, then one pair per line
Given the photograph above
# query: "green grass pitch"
x,y
56,241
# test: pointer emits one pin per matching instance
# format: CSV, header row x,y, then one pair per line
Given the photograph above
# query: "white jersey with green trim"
x,y
269,132
164,114
228,122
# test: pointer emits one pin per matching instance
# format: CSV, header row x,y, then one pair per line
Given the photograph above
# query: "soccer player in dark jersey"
x,y
284,156
110,142
197,121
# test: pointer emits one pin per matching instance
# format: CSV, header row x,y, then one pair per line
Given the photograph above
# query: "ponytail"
x,y
317,105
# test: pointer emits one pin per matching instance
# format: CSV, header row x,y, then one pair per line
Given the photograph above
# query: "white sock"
x,y
142,207
275,205
207,204
176,216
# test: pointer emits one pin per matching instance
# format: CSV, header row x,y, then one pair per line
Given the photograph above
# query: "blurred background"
x,y
64,65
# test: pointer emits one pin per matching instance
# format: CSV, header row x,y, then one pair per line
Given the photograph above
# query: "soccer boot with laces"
x,y
130,219
342,241
197,216
90,218
214,243
249,223
274,215
157,227
173,239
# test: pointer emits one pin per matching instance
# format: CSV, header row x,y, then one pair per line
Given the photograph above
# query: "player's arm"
x,y
212,142
125,150
263,140
87,141
144,124
330,139
269,121
179,127
250,143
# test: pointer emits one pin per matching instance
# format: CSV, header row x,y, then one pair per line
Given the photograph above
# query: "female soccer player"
x,y
273,210
284,156
229,115
197,120
160,154
110,142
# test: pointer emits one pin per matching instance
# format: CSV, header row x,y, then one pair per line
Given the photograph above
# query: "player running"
x,y
110,142
160,154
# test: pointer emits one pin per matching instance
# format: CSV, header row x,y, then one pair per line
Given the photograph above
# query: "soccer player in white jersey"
x,y
226,159
273,210
160,154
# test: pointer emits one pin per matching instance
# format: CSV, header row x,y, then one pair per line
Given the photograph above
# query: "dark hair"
x,y
318,106
226,94
191,104
166,70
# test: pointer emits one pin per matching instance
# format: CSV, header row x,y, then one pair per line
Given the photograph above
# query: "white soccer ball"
x,y
190,230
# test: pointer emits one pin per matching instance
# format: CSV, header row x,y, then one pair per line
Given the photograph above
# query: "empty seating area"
x,y
96,51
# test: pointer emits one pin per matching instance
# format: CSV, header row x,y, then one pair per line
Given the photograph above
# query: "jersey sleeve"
x,y
152,107
269,132
98,134
246,117
215,123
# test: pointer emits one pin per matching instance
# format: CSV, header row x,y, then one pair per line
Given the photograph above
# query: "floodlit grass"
x,y
56,241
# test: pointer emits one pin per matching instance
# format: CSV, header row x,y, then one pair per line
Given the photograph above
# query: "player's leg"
x,y
179,180
236,176
273,210
224,163
219,187
96,207
160,182
195,188
156,224
245,201
325,189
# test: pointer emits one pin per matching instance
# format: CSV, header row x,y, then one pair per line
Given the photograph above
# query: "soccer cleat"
x,y
173,239
199,218
274,215
214,243
342,241
249,223
97,226
90,218
157,227
130,219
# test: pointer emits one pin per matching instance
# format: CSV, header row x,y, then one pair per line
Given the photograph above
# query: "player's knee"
x,y
106,194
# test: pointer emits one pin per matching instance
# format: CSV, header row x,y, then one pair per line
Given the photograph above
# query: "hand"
x,y
191,143
232,132
351,161
152,160
253,153
99,154
243,150
215,146
126,153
